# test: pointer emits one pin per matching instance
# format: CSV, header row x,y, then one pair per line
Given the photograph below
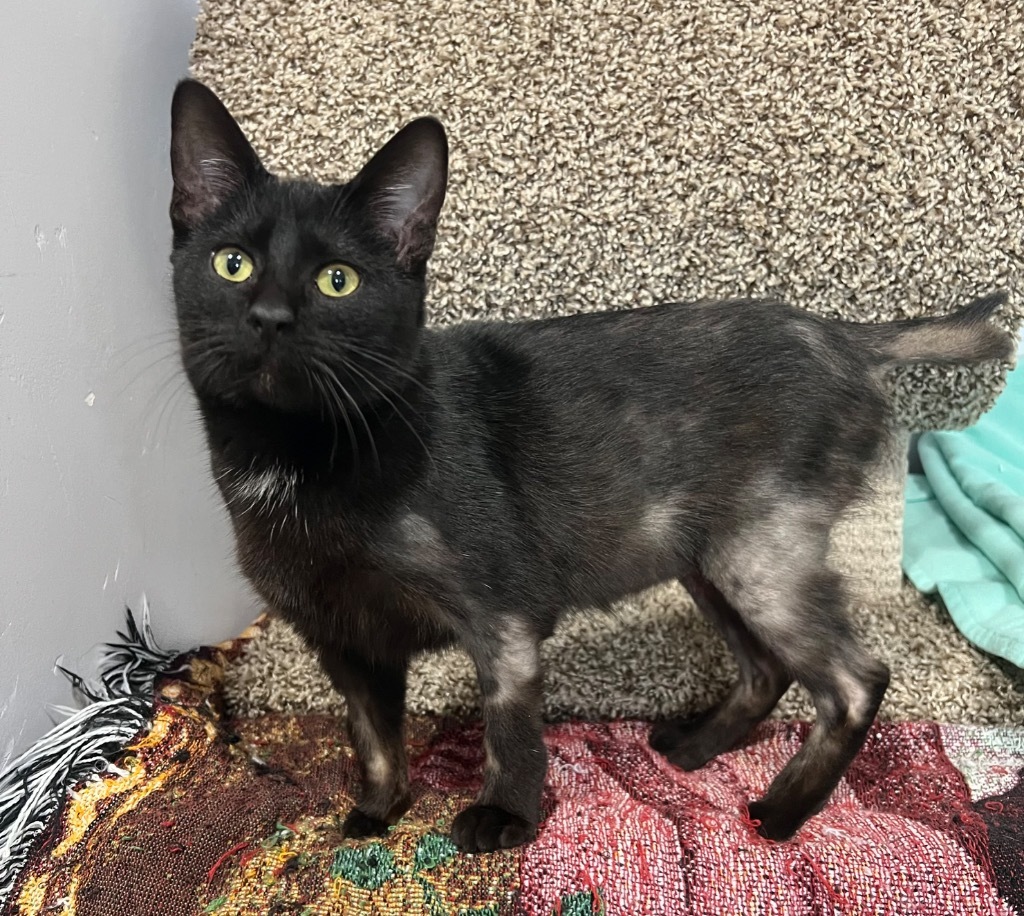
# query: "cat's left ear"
x,y
401,189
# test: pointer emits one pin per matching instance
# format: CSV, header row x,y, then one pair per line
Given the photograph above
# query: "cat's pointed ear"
x,y
401,189
210,157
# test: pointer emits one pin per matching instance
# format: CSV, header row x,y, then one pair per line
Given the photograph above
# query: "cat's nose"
x,y
270,319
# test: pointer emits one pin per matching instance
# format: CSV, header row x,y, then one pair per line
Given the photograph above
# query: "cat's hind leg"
x,y
690,742
774,572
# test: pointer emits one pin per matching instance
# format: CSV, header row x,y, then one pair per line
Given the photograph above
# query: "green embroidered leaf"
x,y
479,911
432,898
433,850
368,867
583,903
215,905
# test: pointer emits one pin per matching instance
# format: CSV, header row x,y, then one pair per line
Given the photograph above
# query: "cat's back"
x,y
668,390
714,347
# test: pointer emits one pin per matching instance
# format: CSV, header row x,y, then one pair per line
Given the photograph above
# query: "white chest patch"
x,y
273,488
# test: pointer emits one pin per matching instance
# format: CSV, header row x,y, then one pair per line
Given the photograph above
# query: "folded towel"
x,y
963,534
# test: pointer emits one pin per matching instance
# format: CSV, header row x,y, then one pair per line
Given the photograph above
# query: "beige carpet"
x,y
658,656
859,157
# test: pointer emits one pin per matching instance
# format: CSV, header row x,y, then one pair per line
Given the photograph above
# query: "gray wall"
x,y
104,489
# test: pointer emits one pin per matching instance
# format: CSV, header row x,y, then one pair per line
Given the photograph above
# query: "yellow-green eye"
x,y
337,280
232,264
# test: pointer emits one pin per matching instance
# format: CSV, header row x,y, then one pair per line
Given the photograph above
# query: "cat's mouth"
x,y
273,386
264,383
273,382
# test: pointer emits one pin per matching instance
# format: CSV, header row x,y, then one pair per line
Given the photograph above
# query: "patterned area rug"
x,y
205,814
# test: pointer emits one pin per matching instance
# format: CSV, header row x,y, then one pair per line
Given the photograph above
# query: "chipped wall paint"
x,y
104,490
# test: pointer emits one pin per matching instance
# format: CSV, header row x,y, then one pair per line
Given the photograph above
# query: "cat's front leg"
x,y
507,811
375,694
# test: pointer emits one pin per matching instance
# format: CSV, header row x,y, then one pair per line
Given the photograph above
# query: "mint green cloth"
x,y
963,530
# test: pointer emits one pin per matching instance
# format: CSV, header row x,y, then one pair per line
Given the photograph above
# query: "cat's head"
x,y
298,296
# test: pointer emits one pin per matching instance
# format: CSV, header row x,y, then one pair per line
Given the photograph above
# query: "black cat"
x,y
396,488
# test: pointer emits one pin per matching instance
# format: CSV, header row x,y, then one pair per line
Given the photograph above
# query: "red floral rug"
x,y
204,814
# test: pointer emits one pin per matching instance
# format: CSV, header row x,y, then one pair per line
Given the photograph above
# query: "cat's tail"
x,y
965,336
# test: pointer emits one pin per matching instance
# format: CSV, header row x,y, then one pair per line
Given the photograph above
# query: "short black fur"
x,y
396,488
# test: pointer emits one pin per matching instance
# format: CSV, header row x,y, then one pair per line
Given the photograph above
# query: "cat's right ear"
x,y
401,189
210,157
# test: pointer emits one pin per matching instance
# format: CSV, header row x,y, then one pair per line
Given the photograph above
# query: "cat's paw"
x,y
358,824
484,828
774,821
685,743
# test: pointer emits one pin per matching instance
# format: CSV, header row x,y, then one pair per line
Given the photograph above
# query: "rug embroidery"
x,y
235,817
